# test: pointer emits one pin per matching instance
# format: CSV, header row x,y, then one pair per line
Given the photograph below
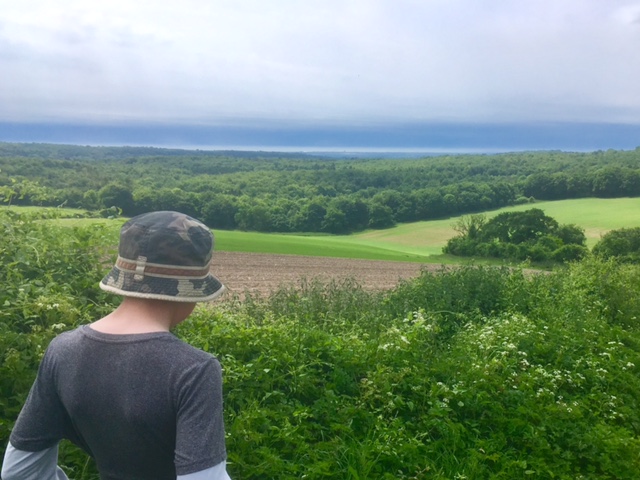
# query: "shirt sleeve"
x,y
218,472
200,439
41,465
41,422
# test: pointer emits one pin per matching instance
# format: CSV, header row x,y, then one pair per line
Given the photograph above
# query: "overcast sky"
x,y
319,62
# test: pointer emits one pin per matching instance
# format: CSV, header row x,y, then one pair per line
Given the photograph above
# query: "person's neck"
x,y
139,315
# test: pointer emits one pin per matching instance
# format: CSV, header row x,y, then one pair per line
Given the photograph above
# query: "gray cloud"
x,y
358,61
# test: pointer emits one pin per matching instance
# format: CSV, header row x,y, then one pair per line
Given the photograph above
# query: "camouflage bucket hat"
x,y
165,256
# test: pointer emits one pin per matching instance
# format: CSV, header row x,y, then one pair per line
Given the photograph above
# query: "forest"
x,y
278,192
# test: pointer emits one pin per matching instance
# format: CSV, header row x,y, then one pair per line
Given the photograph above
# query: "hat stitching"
x,y
140,265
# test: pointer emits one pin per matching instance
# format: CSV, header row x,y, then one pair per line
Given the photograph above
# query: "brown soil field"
x,y
261,273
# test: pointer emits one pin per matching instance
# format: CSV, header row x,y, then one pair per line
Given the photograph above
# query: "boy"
x,y
141,402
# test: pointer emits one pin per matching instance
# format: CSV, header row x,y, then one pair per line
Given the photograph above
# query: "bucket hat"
x,y
166,256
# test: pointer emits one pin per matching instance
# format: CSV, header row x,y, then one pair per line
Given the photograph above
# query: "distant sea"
x,y
341,152
396,140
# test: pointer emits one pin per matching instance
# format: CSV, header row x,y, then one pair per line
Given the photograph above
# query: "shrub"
x,y
529,235
569,253
470,372
622,244
460,246
537,253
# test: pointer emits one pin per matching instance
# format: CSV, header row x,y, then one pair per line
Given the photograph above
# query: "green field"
x,y
596,215
61,211
414,242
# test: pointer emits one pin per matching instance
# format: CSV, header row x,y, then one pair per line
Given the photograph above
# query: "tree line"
x,y
272,192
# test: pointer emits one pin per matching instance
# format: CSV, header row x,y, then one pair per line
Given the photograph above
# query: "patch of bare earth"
x,y
261,273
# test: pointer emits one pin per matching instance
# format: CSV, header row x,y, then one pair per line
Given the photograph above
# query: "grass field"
x,y
596,215
61,211
413,242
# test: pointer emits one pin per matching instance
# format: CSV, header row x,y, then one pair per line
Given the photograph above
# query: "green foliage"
x,y
571,235
277,192
118,196
569,253
622,244
520,235
519,227
465,373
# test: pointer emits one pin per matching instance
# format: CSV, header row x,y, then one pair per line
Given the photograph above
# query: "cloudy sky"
x,y
274,71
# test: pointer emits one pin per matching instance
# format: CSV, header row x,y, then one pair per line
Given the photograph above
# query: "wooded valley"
x,y
272,192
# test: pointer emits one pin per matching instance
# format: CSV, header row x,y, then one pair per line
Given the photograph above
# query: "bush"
x,y
622,244
470,372
569,253
460,246
537,253
530,235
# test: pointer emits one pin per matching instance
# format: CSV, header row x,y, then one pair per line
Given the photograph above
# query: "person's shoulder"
x,y
189,353
66,339
62,347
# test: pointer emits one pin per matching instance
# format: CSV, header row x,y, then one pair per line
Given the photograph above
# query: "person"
x,y
141,402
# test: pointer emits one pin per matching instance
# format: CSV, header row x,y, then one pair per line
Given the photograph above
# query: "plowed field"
x,y
261,273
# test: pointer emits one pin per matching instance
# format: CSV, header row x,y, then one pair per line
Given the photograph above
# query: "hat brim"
x,y
122,283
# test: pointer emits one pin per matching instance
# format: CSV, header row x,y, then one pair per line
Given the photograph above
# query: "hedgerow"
x,y
471,372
